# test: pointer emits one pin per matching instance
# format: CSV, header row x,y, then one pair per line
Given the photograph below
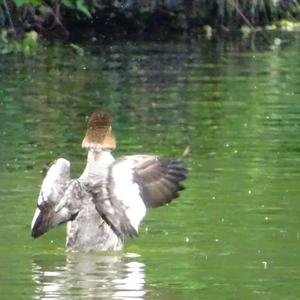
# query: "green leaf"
x,y
69,4
77,49
32,2
82,7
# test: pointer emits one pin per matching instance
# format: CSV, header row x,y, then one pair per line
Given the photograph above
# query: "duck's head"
x,y
99,135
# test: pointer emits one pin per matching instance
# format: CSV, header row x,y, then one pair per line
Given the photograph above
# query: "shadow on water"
x,y
89,275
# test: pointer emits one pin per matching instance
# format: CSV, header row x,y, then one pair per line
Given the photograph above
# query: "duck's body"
x,y
88,231
110,198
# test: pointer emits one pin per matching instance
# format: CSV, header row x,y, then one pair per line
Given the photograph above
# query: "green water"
x,y
233,234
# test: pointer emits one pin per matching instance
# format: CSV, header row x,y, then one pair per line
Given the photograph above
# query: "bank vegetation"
x,y
64,19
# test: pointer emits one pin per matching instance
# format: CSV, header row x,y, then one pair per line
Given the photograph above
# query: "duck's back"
x,y
89,232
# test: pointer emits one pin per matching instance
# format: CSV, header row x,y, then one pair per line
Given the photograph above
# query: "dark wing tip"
x,y
39,228
177,169
160,180
35,233
130,231
119,225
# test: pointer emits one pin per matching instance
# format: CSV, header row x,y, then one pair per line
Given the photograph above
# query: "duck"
x,y
110,198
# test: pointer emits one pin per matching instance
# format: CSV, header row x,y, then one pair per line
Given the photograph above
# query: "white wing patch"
x,y
127,192
53,185
35,216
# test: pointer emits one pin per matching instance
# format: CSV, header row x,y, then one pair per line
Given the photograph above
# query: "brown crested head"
x,y
99,133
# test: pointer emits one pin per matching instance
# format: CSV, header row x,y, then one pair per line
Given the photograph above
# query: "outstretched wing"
x,y
117,199
159,179
56,188
133,183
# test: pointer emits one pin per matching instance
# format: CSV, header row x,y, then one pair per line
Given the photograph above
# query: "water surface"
x,y
233,233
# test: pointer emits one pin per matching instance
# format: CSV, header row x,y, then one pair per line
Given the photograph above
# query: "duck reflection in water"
x,y
110,198
89,276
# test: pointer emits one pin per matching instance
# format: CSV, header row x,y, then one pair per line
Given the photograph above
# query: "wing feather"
x,y
117,199
53,207
133,183
159,179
